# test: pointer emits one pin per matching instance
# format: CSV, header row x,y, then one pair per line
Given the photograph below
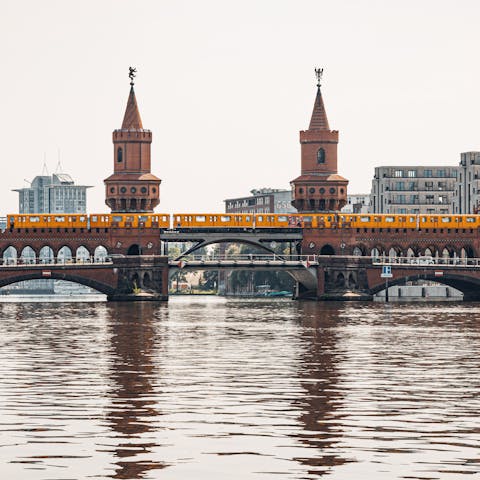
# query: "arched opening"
x,y
320,156
64,255
147,282
340,280
410,253
375,253
357,251
10,255
134,249
392,253
100,254
28,255
82,255
136,281
119,155
327,250
46,255
321,204
352,283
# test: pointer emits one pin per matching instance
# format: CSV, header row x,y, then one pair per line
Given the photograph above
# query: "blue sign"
x,y
386,271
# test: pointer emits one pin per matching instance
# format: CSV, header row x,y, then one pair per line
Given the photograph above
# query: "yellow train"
x,y
194,221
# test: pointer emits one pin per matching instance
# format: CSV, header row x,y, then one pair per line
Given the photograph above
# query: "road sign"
x,y
438,273
386,272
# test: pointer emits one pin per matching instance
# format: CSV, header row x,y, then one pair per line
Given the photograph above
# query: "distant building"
x,y
466,197
413,189
55,193
263,200
357,203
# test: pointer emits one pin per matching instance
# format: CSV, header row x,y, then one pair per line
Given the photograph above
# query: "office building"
x,y
466,198
263,200
413,189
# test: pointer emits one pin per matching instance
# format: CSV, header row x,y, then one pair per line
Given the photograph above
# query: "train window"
x,y
59,219
34,219
70,219
457,219
307,219
364,219
470,219
94,218
377,219
248,218
142,218
411,219
282,218
329,218
389,219
424,219
129,219
446,219
116,218
200,218
82,219
225,218
260,218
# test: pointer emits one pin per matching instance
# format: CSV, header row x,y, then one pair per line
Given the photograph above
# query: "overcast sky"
x,y
225,86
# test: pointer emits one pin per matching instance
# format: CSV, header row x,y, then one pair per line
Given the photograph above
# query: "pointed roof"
x,y
319,120
131,119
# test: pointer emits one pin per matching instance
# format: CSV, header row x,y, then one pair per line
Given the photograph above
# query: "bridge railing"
x,y
23,261
253,257
427,261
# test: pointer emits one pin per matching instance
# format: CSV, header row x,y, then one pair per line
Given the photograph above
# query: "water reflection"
x,y
318,374
132,414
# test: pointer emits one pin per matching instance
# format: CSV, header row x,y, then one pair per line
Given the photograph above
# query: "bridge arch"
x,y
65,253
10,254
469,286
28,255
69,277
134,249
82,254
359,250
46,254
100,253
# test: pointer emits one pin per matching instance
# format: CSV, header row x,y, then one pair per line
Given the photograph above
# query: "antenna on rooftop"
x,y
44,169
58,169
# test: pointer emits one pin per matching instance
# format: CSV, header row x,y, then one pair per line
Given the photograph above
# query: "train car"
x,y
100,220
277,220
209,220
24,221
153,220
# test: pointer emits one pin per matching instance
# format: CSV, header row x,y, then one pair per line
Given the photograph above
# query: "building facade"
x,y
55,193
466,197
413,189
263,200
319,188
357,203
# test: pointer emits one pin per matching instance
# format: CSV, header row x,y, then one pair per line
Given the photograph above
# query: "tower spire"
x,y
319,120
132,119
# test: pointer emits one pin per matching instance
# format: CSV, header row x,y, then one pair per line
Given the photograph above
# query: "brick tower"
x,y
319,188
132,188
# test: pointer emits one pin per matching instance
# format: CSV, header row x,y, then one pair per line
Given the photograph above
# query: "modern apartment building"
x,y
55,193
413,189
263,200
466,197
357,203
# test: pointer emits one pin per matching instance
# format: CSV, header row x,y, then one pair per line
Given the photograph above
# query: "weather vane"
x,y
319,74
131,73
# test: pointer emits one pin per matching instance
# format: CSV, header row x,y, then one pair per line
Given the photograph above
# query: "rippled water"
x,y
208,388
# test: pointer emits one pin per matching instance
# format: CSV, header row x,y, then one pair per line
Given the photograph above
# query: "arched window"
x,y
119,154
321,155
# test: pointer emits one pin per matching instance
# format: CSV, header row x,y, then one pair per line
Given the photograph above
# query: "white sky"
x,y
225,86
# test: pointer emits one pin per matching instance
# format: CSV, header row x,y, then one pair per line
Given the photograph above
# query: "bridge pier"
x,y
140,278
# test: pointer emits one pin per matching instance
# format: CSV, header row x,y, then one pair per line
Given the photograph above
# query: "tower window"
x,y
321,155
119,155
123,190
144,189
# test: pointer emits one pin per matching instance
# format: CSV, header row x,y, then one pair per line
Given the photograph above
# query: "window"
x,y
428,173
321,155
430,199
441,173
398,173
119,155
399,186
428,185
412,173
442,185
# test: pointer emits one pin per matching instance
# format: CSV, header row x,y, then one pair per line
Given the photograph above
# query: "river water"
x,y
209,388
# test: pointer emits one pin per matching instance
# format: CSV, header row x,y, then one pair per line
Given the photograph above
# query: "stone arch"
x,y
10,255
134,249
327,249
146,281
136,280
467,251
411,252
100,254
28,255
46,255
340,280
352,281
447,252
82,254
359,250
64,255
430,251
